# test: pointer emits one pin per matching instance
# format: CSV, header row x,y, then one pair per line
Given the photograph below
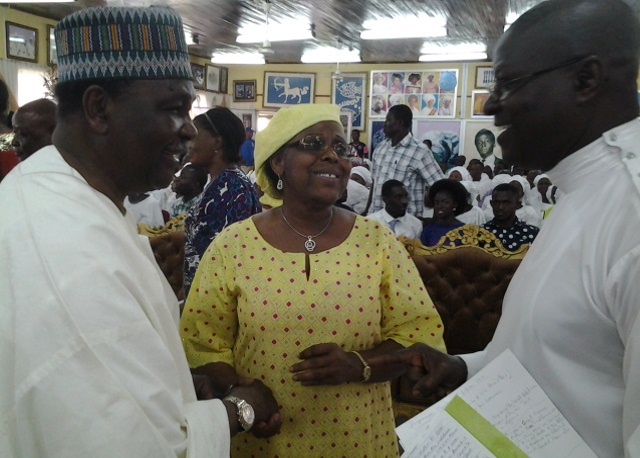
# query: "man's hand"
x,y
268,419
436,374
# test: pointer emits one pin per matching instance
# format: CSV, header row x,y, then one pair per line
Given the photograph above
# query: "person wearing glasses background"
x,y
290,295
570,314
229,195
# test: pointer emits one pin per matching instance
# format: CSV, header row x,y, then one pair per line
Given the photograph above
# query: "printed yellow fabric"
x,y
251,305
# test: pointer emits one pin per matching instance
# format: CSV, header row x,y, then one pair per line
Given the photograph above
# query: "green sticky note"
x,y
480,428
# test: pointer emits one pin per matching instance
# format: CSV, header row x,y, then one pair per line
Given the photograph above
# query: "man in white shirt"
x,y
91,362
571,312
394,214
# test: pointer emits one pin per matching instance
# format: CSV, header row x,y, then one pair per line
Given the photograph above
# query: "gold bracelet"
x,y
366,371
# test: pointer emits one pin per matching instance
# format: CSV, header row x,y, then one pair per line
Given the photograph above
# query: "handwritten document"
x,y
514,407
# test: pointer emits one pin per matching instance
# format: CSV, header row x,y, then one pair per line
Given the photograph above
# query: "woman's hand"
x,y
326,364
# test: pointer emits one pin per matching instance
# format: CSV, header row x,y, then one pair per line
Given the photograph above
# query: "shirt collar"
x,y
620,142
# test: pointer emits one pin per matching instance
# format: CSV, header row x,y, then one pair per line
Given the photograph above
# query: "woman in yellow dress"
x,y
302,295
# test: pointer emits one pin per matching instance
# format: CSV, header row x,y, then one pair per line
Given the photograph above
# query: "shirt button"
x,y
630,156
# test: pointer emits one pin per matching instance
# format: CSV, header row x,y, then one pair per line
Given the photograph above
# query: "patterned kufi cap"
x,y
286,124
122,42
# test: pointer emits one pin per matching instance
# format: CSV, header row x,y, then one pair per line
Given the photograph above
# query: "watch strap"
x,y
366,370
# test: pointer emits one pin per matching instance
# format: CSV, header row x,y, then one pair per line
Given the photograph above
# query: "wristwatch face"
x,y
247,415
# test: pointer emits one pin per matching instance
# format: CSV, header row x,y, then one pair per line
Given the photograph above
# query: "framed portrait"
x,y
376,134
244,91
286,89
212,82
429,94
348,92
346,119
444,137
224,80
199,76
51,46
478,99
22,42
485,77
480,138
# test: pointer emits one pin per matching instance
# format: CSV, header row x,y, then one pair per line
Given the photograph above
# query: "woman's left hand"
x,y
326,364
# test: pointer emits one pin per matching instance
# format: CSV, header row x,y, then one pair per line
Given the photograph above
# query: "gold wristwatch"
x,y
246,415
366,370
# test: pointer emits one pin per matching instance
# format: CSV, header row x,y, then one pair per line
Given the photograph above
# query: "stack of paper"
x,y
501,411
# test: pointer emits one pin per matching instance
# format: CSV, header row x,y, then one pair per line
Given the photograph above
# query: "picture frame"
x,y
52,58
22,42
212,82
244,91
349,93
485,77
287,89
431,93
224,80
478,99
471,130
199,76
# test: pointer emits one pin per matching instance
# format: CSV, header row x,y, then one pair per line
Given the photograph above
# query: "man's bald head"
x,y
33,125
564,29
565,73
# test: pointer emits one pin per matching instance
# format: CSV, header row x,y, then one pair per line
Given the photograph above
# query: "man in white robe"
x,y
570,314
91,363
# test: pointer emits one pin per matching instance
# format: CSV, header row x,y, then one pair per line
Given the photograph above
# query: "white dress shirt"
x,y
407,225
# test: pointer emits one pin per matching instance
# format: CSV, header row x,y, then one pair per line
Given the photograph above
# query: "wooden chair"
x,y
466,274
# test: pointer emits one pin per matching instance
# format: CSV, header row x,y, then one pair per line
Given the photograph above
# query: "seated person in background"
x,y
145,209
458,174
449,200
357,195
505,225
361,175
33,126
472,213
394,214
246,150
187,186
460,161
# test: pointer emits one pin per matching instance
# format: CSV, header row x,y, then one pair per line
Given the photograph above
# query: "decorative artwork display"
x,y
213,78
286,89
244,91
348,93
480,140
224,79
444,137
198,76
51,46
22,42
485,77
376,134
478,99
431,93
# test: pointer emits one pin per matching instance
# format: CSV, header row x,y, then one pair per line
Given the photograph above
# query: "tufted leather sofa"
x,y
466,274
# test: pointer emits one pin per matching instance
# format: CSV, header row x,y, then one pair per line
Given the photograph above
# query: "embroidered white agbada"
x,y
91,364
570,314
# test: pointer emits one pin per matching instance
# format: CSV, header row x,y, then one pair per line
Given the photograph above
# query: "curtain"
x,y
25,80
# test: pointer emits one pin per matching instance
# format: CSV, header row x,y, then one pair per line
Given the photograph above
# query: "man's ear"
x,y
96,103
589,78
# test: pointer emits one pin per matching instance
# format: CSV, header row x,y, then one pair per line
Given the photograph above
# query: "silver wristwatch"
x,y
246,415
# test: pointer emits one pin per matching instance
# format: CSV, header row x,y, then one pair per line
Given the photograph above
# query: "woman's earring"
x,y
279,185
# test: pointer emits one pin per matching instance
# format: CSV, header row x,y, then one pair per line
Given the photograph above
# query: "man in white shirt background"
x,y
394,214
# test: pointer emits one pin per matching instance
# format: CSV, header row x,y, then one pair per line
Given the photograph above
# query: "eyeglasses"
x,y
318,143
503,89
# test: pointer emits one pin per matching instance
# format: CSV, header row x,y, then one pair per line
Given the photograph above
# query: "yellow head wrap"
x,y
286,124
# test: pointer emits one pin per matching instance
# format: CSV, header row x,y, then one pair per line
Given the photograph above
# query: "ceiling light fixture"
x,y
420,26
510,19
295,29
237,58
327,54
433,52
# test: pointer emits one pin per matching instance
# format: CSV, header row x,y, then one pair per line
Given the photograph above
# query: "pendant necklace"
x,y
310,244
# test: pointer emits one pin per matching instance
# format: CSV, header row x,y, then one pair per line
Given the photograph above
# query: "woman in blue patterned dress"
x,y
228,197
